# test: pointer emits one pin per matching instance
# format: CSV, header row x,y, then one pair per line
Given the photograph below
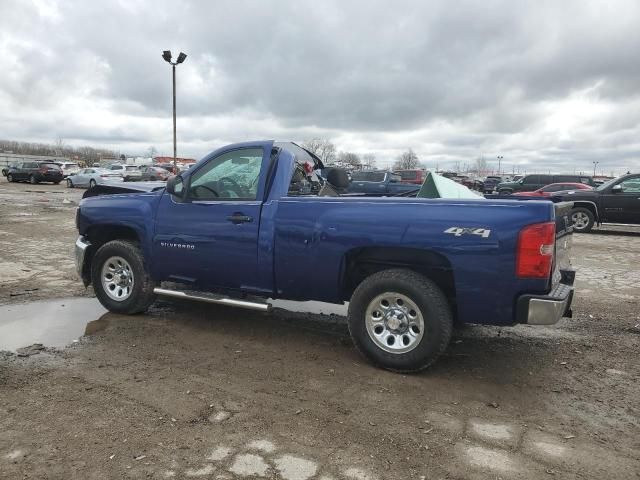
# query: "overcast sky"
x,y
549,85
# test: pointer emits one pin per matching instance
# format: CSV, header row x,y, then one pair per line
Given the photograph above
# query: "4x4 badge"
x,y
459,231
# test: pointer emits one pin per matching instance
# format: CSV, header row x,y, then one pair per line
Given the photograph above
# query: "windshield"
x,y
606,184
131,168
368,176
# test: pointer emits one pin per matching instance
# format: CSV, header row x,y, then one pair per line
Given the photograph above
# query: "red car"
x,y
547,190
412,176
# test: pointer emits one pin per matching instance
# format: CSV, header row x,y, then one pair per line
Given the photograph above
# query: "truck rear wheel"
x,y
583,219
119,279
400,320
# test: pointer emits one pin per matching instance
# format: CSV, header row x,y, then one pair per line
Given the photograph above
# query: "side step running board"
x,y
210,298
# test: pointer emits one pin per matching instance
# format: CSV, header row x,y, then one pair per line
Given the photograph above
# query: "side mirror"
x,y
616,189
175,186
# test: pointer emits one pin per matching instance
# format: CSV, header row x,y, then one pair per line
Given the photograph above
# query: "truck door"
x,y
210,236
621,202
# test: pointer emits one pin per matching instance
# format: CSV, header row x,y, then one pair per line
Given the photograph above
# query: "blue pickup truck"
x,y
254,221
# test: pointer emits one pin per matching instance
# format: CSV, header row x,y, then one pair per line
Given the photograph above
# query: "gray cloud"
x,y
551,85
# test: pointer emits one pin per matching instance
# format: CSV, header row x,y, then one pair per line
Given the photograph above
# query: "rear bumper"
x,y
49,178
547,309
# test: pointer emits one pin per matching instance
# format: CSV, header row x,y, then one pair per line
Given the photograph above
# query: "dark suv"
x,y
529,183
35,172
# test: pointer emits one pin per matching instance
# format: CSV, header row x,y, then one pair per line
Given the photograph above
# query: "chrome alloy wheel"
x,y
580,220
394,322
117,278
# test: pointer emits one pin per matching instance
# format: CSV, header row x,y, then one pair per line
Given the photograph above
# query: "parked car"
x,y
491,182
35,172
555,187
166,166
529,183
415,176
469,182
154,173
378,182
116,167
255,220
90,177
68,168
131,173
6,168
616,201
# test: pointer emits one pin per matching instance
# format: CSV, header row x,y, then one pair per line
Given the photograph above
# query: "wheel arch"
x,y
591,206
359,263
98,235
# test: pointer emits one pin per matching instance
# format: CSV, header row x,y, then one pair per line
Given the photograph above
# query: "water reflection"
x,y
54,323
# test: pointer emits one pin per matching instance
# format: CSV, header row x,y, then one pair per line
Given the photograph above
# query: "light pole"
x,y
595,164
166,54
500,157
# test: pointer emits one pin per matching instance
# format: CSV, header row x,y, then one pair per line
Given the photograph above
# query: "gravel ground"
x,y
193,391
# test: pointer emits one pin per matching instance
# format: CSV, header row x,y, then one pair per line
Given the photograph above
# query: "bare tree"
x,y
350,158
481,166
59,146
407,161
323,148
369,160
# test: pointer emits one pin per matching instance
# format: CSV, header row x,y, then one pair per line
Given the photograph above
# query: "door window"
x,y
531,180
231,176
545,179
565,178
631,185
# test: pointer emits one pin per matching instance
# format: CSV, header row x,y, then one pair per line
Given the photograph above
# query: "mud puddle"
x,y
53,323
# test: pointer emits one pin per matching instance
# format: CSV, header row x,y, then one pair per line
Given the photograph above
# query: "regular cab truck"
x,y
254,221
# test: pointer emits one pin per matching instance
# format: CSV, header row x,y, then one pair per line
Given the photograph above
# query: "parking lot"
x,y
192,391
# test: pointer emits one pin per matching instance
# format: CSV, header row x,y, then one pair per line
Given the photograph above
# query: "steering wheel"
x,y
237,188
196,187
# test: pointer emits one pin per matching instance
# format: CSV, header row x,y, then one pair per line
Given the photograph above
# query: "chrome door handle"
x,y
238,218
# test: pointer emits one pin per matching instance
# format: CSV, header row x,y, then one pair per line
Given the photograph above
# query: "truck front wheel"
x,y
400,320
119,279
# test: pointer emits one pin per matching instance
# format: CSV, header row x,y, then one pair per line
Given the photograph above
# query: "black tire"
x,y
32,180
57,183
432,303
585,224
69,183
505,192
10,178
92,183
141,296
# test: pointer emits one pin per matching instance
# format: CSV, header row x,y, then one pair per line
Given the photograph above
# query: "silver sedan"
x,y
90,177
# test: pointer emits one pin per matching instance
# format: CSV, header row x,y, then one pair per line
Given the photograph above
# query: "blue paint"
x,y
294,248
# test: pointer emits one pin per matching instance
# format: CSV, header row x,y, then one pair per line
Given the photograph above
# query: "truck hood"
x,y
128,187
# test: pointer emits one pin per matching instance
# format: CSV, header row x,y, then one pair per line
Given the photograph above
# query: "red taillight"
x,y
536,244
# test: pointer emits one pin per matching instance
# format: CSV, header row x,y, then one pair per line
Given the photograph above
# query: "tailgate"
x,y
564,233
